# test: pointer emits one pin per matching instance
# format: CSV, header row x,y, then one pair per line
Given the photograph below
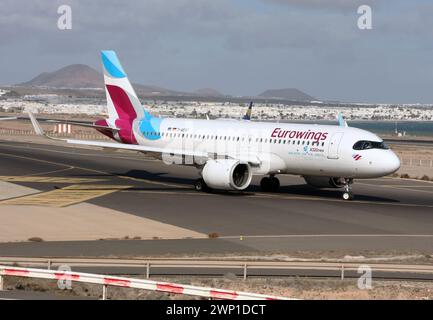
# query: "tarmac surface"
x,y
387,214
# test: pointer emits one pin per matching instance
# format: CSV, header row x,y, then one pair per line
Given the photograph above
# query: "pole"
x,y
147,270
104,292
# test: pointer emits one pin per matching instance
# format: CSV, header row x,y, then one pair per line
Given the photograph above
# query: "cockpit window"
x,y
364,145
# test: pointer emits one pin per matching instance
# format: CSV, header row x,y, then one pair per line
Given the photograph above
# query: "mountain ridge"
x,y
287,93
81,76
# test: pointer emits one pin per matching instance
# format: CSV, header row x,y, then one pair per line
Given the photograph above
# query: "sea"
x,y
406,128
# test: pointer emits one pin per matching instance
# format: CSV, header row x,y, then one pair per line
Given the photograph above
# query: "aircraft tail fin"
x,y
247,115
341,121
122,101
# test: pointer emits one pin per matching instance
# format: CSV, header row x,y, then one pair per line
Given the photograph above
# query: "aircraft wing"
x,y
135,147
114,145
250,158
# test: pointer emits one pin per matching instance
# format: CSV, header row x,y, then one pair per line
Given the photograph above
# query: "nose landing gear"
x,y
348,194
270,184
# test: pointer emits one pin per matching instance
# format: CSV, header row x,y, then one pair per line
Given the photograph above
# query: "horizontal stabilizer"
x,y
8,118
82,124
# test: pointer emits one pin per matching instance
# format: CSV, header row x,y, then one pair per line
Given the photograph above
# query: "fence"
x,y
266,268
427,163
76,135
105,281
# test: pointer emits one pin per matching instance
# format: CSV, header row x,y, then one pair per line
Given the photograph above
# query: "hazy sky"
x,y
240,47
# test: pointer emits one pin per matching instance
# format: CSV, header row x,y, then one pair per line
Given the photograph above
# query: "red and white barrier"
x,y
134,283
63,128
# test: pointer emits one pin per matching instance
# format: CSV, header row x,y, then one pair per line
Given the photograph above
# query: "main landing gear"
x,y
269,184
200,185
348,194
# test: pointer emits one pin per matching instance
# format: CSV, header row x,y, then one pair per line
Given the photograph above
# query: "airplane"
x,y
228,152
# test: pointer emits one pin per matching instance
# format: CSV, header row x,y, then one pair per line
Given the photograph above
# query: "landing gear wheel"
x,y
275,184
265,184
200,185
348,194
269,184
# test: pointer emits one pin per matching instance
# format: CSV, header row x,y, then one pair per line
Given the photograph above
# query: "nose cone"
x,y
392,163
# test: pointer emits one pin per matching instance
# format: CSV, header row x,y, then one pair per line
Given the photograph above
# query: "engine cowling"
x,y
227,174
324,182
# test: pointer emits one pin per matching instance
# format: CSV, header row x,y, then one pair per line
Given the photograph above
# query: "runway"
x,y
387,214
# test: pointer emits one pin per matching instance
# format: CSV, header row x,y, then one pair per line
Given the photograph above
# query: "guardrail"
x,y
341,268
76,135
124,282
417,162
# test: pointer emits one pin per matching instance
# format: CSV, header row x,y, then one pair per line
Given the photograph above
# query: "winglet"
x,y
36,126
341,121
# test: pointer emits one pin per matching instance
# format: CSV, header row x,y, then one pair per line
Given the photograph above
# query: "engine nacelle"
x,y
324,182
227,174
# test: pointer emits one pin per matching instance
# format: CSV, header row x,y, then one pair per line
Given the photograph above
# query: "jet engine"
x,y
324,182
227,174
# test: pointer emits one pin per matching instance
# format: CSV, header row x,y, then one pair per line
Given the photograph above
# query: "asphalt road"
x,y
387,214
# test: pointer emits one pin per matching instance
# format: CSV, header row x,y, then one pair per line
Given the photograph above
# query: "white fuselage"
x,y
304,149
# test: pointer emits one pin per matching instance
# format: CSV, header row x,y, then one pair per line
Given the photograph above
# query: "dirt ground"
x,y
414,169
299,288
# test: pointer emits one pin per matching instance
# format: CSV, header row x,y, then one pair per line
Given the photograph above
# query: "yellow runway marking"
x,y
47,179
66,196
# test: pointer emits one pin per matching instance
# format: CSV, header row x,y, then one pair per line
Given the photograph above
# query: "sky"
x,y
239,47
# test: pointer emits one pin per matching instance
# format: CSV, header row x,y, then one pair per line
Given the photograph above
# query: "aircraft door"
x,y
334,145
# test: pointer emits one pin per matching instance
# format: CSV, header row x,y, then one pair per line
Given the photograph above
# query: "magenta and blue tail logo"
x,y
126,103
356,156
112,64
